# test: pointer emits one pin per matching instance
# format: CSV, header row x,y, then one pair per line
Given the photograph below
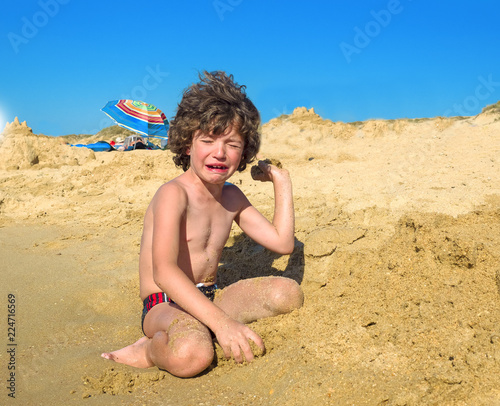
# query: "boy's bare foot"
x,y
133,354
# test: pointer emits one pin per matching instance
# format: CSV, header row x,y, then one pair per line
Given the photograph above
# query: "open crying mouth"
x,y
220,167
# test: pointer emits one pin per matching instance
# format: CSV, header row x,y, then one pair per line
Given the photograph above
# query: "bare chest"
x,y
207,228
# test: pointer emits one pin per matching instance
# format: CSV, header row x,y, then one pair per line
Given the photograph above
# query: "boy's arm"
x,y
277,236
168,211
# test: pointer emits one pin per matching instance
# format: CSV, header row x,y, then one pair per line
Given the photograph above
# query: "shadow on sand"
x,y
246,259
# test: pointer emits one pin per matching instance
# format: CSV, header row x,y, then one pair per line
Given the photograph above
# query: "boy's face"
x,y
214,158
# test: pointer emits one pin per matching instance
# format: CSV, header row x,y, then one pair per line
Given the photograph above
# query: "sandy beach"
x,y
397,251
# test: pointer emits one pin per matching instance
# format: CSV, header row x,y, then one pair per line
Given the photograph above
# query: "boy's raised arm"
x,y
277,236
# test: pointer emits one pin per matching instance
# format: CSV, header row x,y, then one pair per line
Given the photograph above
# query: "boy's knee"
x,y
192,359
187,356
287,295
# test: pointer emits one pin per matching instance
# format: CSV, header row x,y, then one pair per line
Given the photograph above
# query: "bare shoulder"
x,y
172,187
234,198
172,194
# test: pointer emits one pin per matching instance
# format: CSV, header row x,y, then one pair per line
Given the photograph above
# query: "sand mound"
x,y
21,149
397,251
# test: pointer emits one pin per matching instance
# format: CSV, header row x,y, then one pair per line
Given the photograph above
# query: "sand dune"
x,y
397,248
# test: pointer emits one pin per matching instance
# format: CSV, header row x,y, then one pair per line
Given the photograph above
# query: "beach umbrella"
x,y
138,116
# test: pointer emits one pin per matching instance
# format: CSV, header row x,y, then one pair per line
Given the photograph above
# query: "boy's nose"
x,y
220,150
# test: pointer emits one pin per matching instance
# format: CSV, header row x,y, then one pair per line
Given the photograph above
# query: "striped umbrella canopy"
x,y
138,116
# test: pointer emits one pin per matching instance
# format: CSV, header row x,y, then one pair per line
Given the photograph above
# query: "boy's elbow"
x,y
287,249
158,280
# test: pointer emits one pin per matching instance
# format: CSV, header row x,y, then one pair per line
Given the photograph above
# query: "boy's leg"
x,y
175,342
252,299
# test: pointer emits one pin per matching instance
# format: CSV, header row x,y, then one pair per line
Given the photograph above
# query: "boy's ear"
x,y
188,151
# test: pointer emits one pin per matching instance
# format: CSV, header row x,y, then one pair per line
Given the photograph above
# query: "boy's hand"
x,y
267,170
234,337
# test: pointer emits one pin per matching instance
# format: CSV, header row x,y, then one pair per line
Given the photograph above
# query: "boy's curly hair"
x,y
213,105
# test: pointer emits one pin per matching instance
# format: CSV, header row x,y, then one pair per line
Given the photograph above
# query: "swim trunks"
x,y
161,297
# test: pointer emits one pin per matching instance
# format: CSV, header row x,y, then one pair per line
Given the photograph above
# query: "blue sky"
x,y
62,60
